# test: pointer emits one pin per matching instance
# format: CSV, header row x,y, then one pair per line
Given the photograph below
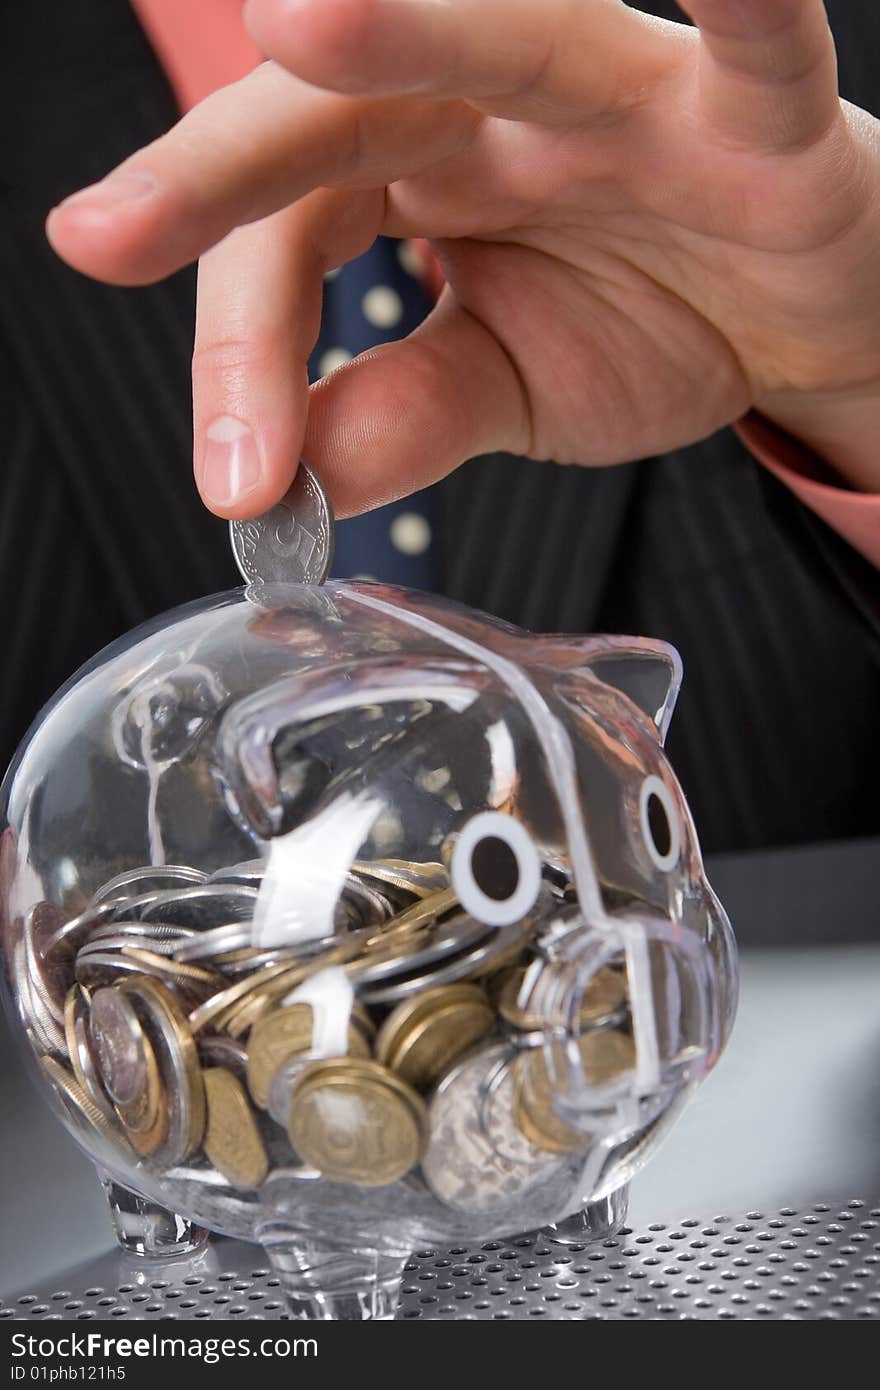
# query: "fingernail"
x,y
126,186
231,463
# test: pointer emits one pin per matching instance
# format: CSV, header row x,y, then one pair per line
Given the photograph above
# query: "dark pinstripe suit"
x,y
777,737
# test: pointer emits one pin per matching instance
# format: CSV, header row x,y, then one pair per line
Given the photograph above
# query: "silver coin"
x,y
118,941
292,542
49,975
86,1070
407,975
95,968
72,935
158,936
35,1015
233,936
147,878
371,905
223,1052
463,1166
118,1040
281,1086
250,873
209,905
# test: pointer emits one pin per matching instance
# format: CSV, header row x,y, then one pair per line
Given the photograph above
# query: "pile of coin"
x,y
169,1032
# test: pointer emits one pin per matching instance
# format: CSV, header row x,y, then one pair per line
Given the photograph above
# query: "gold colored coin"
x,y
213,1009
357,1122
232,1139
76,1099
242,1016
244,1001
508,1005
422,913
534,1111
173,972
605,1055
422,880
424,1035
605,995
501,960
282,1034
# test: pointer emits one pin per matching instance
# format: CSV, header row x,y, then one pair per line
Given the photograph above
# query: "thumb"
x,y
404,415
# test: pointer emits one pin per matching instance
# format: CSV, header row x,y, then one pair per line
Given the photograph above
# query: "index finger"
x,y
244,153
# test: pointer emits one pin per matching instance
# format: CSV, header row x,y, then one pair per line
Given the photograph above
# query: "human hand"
x,y
646,230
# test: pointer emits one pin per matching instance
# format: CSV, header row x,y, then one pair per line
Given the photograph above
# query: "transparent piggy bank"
x,y
347,920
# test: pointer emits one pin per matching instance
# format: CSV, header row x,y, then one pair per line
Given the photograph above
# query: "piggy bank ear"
x,y
648,672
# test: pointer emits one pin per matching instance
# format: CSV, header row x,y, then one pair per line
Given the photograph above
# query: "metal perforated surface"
x,y
820,1261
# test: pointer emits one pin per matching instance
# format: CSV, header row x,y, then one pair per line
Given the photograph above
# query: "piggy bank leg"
x,y
145,1228
326,1281
596,1221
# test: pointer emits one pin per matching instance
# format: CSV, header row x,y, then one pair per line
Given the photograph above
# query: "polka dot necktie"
x,y
377,299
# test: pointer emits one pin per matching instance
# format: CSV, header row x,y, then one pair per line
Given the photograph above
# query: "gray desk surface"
x,y
791,1115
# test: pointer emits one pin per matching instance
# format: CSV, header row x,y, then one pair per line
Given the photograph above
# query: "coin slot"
x,y
496,869
658,817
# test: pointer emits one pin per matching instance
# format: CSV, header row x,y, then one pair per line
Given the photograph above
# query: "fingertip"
x,y
112,240
241,470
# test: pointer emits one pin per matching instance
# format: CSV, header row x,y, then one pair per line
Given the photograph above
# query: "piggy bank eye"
x,y
496,869
658,816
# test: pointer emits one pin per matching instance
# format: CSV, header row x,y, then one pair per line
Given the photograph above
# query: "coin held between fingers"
x,y
292,543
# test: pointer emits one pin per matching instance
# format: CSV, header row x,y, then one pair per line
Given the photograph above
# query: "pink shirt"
x,y
203,45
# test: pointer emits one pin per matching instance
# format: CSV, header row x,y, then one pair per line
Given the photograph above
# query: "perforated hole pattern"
x,y
821,1261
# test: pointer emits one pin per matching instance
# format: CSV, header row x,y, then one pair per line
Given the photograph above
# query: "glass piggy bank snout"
x,y
347,919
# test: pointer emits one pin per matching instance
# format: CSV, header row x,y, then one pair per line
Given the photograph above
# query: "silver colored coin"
x,y
223,1052
292,542
234,936
49,975
250,873
35,1014
79,929
209,905
118,1040
463,1166
118,941
97,968
368,903
449,938
159,936
409,975
282,1084
147,879
86,1069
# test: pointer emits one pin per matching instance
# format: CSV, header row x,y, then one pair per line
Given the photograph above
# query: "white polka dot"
x,y
410,533
332,274
331,359
382,306
409,258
